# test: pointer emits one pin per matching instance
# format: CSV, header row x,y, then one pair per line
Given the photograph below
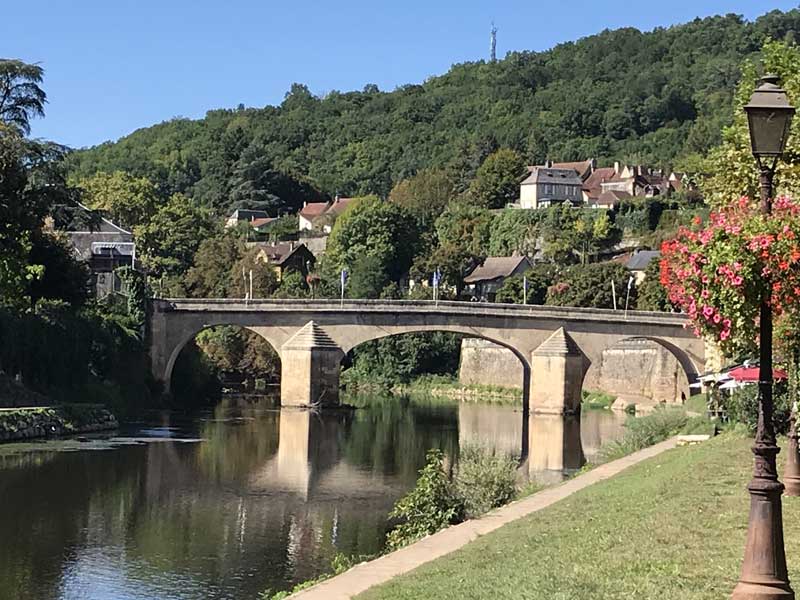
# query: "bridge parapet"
x,y
521,329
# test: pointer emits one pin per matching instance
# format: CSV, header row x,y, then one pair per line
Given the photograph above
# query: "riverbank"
x,y
53,421
671,527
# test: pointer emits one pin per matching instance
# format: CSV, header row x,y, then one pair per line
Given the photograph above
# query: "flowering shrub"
x,y
717,271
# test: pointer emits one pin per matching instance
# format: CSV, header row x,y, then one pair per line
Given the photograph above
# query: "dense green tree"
x,y
539,279
559,234
497,180
368,278
128,201
167,243
594,231
425,195
463,240
210,274
21,98
651,295
590,286
385,231
63,277
514,231
401,358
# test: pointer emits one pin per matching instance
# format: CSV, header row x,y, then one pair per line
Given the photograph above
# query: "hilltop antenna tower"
x,y
493,44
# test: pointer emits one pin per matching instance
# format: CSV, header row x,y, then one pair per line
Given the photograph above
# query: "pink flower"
x,y
708,311
724,335
717,318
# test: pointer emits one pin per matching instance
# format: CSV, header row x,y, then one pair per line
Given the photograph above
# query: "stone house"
x,y
244,214
104,249
547,186
284,256
484,281
320,216
638,262
309,212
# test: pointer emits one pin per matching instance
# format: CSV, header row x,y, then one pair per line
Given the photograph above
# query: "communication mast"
x,y
493,44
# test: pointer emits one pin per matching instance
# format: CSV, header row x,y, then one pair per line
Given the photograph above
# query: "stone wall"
x,y
639,369
635,368
486,363
31,423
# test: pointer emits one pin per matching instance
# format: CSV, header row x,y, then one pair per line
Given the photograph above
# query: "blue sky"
x,y
115,66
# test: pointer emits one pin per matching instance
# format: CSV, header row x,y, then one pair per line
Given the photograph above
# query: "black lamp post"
x,y
764,575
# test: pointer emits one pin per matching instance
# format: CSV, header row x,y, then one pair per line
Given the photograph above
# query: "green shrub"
x,y
429,507
641,432
484,479
742,407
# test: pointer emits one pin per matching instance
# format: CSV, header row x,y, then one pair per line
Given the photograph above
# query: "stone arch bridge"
x,y
555,345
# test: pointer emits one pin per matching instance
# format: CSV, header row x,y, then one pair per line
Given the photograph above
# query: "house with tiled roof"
x,y
547,186
321,215
584,168
485,279
309,212
284,256
246,215
105,247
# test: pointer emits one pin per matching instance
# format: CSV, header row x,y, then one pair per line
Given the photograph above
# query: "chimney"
x,y
616,166
548,164
592,164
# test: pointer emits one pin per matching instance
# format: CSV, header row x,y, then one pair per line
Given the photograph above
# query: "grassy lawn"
x,y
670,528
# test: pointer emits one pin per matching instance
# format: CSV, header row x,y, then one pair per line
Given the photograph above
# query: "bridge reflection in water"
x,y
309,461
264,501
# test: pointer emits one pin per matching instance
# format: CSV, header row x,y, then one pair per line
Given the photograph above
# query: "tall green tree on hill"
x,y
497,180
385,231
128,201
21,98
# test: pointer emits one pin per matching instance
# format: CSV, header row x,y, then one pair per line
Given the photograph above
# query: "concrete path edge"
x,y
375,572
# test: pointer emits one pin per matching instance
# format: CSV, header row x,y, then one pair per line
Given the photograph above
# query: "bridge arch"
x,y
662,370
379,334
190,334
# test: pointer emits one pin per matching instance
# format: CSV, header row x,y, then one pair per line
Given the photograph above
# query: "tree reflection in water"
x,y
265,501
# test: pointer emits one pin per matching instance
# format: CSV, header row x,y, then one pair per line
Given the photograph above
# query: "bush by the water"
x,y
430,506
741,406
641,432
596,399
484,479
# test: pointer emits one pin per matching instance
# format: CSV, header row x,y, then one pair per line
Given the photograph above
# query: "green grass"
x,y
697,403
671,528
644,431
595,399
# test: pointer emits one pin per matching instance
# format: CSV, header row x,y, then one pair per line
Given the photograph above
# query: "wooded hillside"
x,y
659,97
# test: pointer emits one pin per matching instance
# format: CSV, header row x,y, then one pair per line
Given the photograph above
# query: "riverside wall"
x,y
52,421
635,368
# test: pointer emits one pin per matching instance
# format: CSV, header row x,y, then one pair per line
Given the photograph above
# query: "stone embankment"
x,y
53,421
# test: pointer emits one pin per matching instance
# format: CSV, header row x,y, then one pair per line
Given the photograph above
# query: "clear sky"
x,y
113,66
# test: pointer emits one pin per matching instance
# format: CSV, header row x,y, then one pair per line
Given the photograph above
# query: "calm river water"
x,y
228,503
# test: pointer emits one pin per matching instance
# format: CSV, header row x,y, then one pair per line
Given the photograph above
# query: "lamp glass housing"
x,y
769,116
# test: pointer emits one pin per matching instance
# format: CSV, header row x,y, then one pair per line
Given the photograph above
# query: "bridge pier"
x,y
310,363
554,444
557,370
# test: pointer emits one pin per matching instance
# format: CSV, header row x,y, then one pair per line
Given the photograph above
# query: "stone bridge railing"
x,y
554,344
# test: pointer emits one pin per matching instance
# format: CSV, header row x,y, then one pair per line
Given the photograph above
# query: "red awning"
x,y
750,374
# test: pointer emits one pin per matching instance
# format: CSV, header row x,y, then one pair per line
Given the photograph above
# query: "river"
x,y
230,502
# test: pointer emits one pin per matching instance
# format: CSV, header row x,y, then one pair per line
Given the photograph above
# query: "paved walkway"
x,y
372,573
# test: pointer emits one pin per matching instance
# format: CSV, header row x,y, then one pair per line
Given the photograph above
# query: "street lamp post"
x,y
764,575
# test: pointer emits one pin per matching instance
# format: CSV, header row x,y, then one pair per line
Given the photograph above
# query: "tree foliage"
x,y
128,201
497,180
590,286
21,98
659,97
